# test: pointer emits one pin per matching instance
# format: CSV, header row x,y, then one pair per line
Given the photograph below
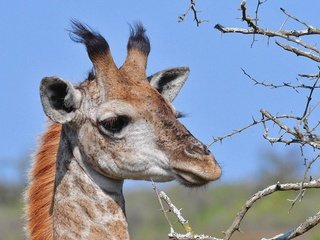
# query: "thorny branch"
x,y
300,132
235,226
283,84
288,35
192,8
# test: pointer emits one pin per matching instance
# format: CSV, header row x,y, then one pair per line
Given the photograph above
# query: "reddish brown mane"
x,y
41,185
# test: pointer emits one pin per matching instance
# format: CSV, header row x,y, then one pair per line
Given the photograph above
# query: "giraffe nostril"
x,y
197,149
206,150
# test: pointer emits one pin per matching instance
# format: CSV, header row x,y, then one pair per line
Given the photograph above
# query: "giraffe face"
x,y
124,123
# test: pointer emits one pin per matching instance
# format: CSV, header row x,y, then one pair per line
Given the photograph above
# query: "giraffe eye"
x,y
114,124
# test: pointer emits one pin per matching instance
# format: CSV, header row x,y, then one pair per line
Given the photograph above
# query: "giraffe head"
x,y
122,122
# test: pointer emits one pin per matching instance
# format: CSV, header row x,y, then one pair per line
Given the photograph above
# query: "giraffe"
x,y
117,124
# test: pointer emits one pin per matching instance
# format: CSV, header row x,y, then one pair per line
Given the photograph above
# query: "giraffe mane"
x,y
39,194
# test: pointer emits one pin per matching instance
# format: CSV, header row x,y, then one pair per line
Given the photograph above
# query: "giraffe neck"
x,y
86,204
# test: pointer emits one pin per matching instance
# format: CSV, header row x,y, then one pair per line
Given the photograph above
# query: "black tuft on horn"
x,y
96,45
138,39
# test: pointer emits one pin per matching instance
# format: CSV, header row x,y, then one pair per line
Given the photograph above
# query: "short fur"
x,y
40,191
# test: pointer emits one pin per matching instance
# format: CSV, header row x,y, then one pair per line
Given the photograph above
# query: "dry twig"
x,y
192,8
288,35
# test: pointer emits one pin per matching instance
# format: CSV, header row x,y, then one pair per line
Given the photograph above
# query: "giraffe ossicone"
x,y
117,124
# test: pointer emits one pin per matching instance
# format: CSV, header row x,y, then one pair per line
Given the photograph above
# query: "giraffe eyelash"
x,y
180,114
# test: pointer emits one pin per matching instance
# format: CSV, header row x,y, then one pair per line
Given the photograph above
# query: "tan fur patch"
x,y
70,218
85,187
118,229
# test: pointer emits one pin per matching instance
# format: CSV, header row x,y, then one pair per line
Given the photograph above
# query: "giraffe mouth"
x,y
190,179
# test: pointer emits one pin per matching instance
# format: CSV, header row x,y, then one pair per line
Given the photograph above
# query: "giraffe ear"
x,y
59,99
168,82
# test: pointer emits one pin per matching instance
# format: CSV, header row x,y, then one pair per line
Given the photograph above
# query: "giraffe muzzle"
x,y
196,175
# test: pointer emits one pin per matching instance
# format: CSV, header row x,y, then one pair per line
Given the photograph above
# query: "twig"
x,y
283,85
173,209
298,137
254,122
302,191
234,132
305,113
192,8
162,207
296,19
260,2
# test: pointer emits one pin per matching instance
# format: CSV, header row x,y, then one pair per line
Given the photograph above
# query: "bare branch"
x,y
268,33
178,236
298,137
283,85
265,192
311,76
288,35
299,52
251,22
254,122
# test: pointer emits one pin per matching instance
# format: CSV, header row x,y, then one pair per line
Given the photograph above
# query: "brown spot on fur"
x,y
99,208
39,193
86,207
113,207
118,229
69,217
98,233
64,188
85,187
65,238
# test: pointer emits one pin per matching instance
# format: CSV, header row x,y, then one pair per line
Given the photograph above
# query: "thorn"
x,y
254,121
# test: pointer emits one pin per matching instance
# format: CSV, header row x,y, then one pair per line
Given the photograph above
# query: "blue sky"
x,y
217,97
